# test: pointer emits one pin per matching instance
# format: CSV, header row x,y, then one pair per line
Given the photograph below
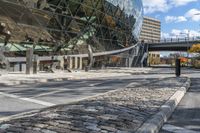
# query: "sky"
x,y
179,18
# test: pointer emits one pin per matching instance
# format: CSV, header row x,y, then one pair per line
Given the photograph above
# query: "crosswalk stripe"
x,y
28,99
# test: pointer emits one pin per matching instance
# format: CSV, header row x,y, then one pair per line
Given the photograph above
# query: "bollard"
x,y
178,67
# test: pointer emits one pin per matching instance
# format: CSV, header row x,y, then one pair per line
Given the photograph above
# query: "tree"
x,y
195,49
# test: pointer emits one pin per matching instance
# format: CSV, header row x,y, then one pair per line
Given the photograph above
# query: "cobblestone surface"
x,y
120,111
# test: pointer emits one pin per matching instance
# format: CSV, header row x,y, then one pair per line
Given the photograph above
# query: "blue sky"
x,y
176,16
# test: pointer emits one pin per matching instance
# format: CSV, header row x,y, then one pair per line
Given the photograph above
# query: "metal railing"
x,y
174,40
44,58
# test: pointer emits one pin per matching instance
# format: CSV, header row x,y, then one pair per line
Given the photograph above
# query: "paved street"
x,y
120,111
28,97
186,118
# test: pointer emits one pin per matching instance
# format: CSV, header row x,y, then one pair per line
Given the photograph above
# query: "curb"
x,y
154,124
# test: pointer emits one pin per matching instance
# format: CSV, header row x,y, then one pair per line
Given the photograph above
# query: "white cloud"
x,y
165,35
182,2
181,19
194,33
176,33
170,19
155,5
193,14
151,6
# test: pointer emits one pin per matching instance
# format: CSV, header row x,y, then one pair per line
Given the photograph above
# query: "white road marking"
x,y
28,99
175,129
38,101
9,95
92,85
50,93
95,84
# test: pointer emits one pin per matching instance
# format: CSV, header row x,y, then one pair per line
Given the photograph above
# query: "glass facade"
x,y
70,25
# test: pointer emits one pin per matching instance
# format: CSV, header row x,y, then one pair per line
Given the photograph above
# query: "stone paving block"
x,y
120,111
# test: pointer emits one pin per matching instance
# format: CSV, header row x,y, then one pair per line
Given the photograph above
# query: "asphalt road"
x,y
23,98
186,118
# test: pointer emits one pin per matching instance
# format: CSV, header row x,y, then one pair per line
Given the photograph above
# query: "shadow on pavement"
x,y
187,114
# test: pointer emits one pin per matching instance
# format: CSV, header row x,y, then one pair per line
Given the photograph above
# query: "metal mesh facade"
x,y
68,26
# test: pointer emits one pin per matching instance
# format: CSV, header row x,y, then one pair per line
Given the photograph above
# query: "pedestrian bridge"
x,y
173,44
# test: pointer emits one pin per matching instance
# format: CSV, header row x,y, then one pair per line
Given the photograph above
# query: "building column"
x,y
76,63
70,62
62,62
127,62
35,64
20,67
130,62
29,63
80,63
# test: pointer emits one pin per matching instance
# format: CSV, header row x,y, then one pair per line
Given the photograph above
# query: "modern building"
x,y
154,58
68,26
151,32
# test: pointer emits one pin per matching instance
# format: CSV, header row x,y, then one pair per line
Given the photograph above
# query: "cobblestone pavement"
x,y
121,111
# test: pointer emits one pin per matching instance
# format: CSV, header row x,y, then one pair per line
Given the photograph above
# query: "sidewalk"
x,y
18,78
21,78
121,111
186,117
